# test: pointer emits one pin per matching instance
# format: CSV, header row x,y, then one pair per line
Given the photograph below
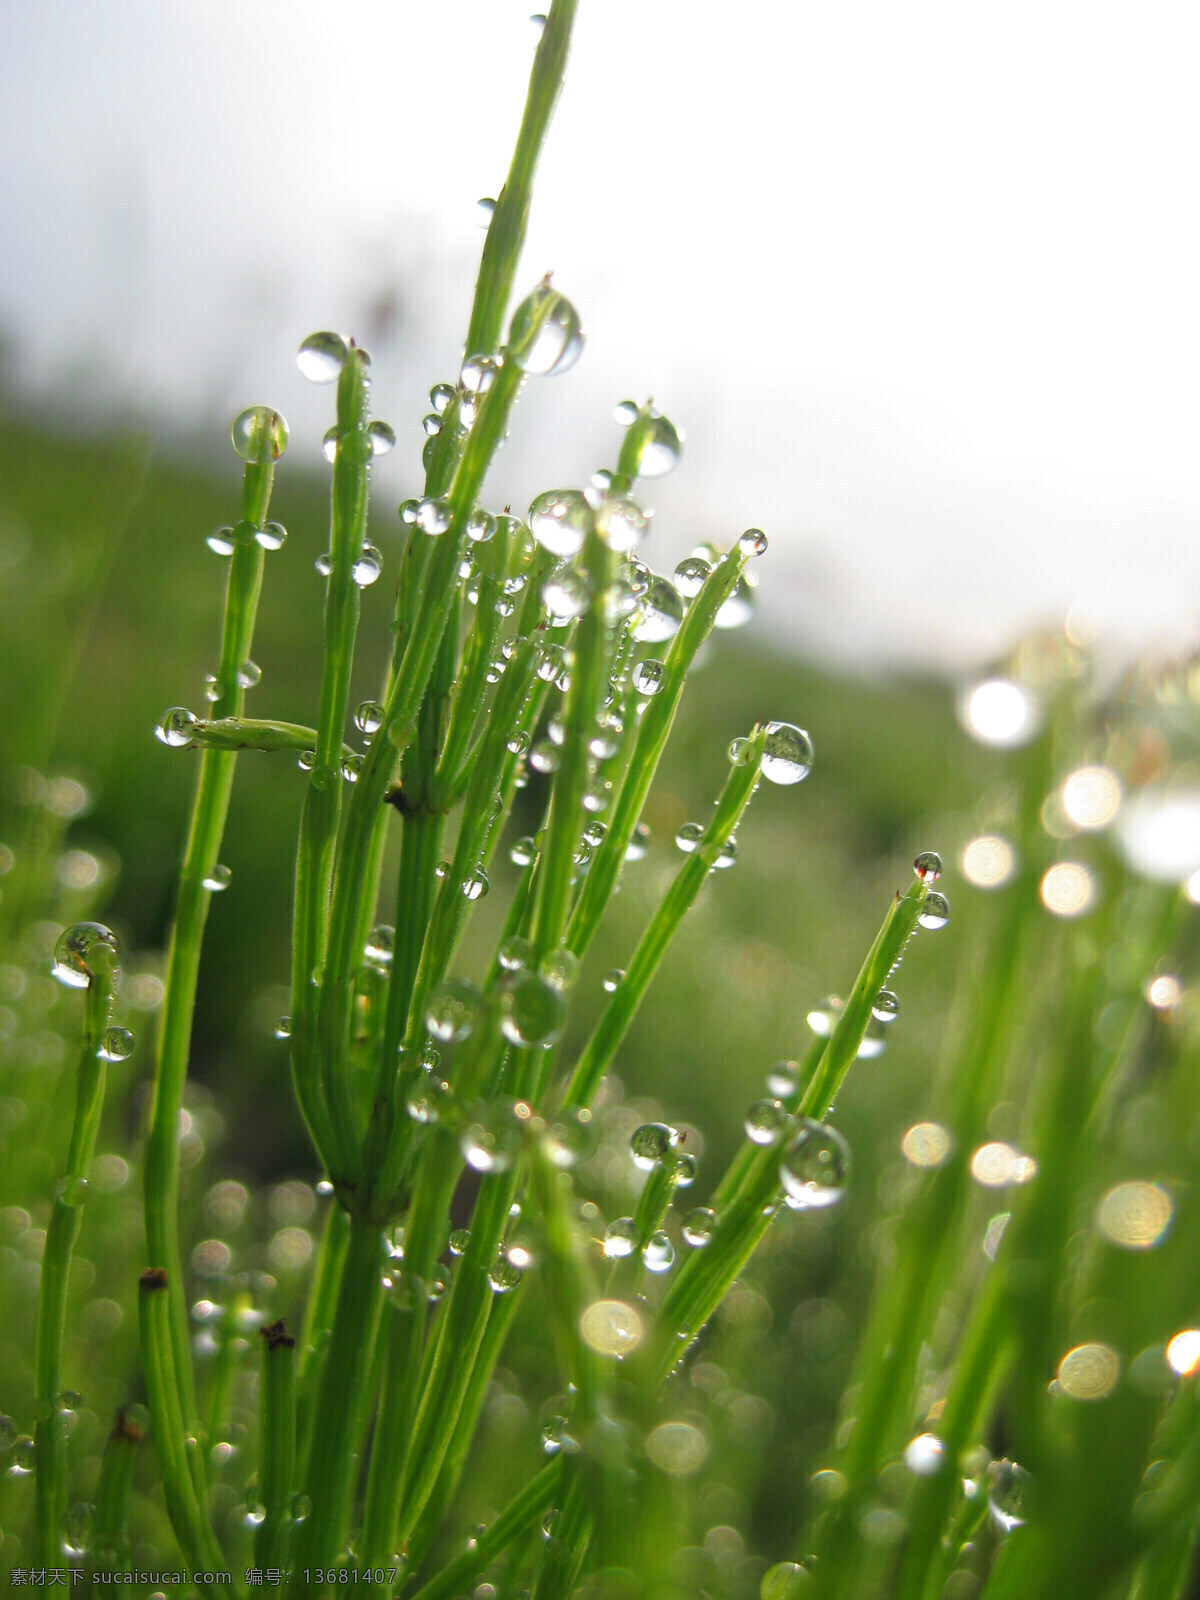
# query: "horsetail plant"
x,y
458,1122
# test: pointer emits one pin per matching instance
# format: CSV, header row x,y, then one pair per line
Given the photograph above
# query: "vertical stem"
x,y
316,1332
56,1265
277,1447
114,1490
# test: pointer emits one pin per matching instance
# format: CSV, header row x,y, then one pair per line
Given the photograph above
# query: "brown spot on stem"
x,y
277,1336
154,1278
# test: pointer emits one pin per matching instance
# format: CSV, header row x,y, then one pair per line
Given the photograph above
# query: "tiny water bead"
x,y
647,676
368,566
886,1007
1089,1372
559,520
613,980
698,1227
259,434
935,913
558,342
765,1122
1135,1215
621,1238
649,1143
659,612
117,1044
814,1167
689,576
176,728
787,753
532,1010
689,836
369,717
218,878
928,866
322,356
85,951
753,543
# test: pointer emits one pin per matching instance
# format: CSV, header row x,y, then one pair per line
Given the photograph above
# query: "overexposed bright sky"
x,y
920,283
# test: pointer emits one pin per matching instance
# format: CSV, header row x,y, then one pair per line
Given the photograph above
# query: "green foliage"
x,y
475,1308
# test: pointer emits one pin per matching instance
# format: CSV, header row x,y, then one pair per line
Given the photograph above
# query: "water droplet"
x,y
218,879
452,1010
324,1187
622,522
786,1580
727,855
283,1028
698,1226
1007,1493
491,1139
690,575
259,434
72,1190
925,1455
515,954
329,444
886,1007
380,946
555,1437
476,886
381,438
928,866
661,446
544,757
560,968
324,565
753,543
434,515
459,1240
783,1079
650,1143
441,396
306,760
614,979
481,526
24,1457
85,951
625,412
659,1253
478,373
766,1121
647,676
222,542
369,716
787,753
117,1045
249,675
271,536
408,512
611,1327
621,1238
565,594
639,843
523,851
532,1010
823,1017
558,343
368,566
659,613
322,356
814,1167
935,913
559,520
176,728
689,836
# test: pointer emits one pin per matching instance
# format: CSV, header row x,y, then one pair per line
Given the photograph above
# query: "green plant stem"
x,y
195,1536
510,219
229,1351
277,1446
653,733
61,1234
521,1514
114,1489
565,822
342,1404
706,1276
251,733
737,1169
320,1087
614,1021
206,829
316,1330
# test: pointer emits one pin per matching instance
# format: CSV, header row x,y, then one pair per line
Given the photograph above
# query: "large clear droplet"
x,y
565,594
765,1122
661,447
85,951
558,343
621,1238
532,1010
434,515
649,1144
322,356
935,913
660,612
452,1010
381,437
117,1044
787,753
259,434
478,373
368,718
659,1253
690,575
559,520
368,566
814,1167
176,728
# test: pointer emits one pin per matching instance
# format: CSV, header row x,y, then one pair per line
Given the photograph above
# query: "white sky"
x,y
920,283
